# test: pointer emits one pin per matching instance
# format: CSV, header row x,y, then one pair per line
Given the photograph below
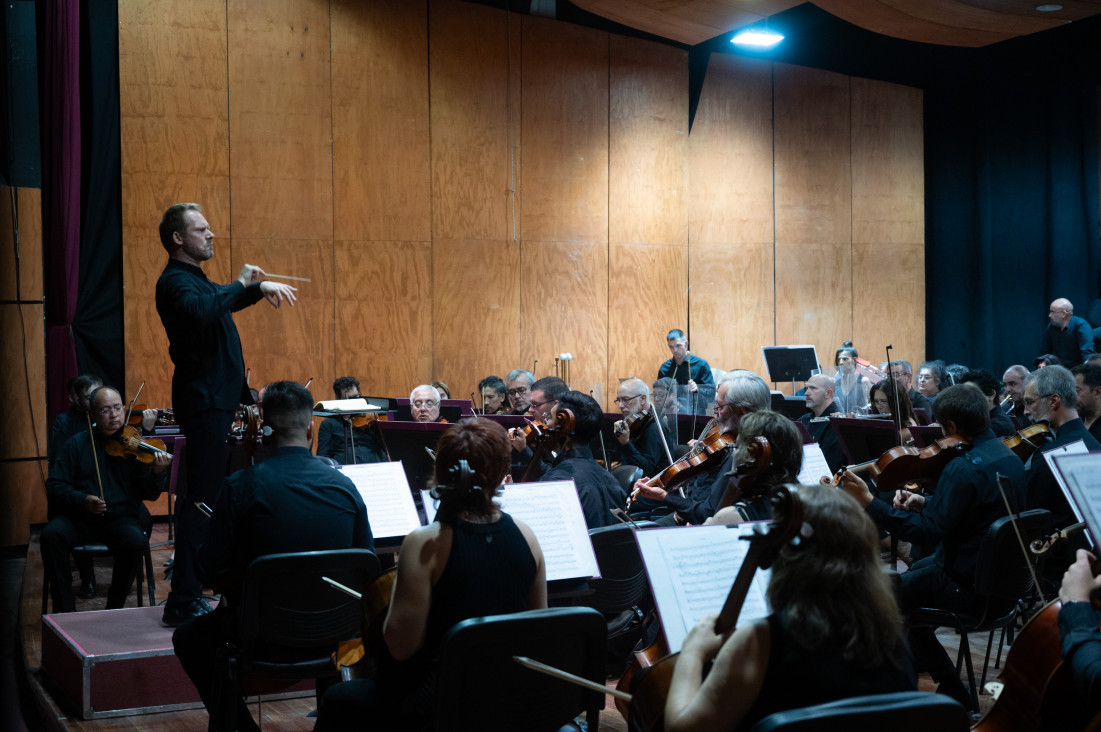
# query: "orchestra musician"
x,y
367,444
1014,380
1067,336
646,448
882,396
740,393
473,560
685,368
424,404
98,498
519,383
1087,379
291,502
494,395
598,490
209,379
819,396
988,385
932,377
955,518
542,397
1079,619
903,373
834,631
850,389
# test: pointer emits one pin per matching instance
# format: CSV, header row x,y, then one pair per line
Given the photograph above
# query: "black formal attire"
x,y
826,437
1017,411
292,502
956,518
1073,343
126,483
920,401
1001,424
800,677
598,490
490,570
702,503
366,442
207,385
1095,429
647,450
1044,492
1081,641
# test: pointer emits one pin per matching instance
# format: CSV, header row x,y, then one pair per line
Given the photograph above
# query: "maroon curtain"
x,y
61,158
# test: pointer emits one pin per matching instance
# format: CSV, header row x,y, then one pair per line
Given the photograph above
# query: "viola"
x,y
1029,440
650,690
906,466
359,657
129,443
697,460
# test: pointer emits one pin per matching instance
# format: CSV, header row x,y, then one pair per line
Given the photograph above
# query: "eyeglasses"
x,y
110,409
719,406
1030,402
518,391
538,405
626,400
423,403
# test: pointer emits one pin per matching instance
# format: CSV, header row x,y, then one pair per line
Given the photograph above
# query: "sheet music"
x,y
1077,447
553,511
691,570
1079,476
384,488
814,465
429,504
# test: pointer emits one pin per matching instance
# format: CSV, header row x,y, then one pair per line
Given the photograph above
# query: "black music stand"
x,y
409,442
864,439
790,363
925,435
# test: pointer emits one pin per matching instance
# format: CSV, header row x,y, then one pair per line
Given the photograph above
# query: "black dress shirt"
x,y
598,490
126,481
366,442
826,437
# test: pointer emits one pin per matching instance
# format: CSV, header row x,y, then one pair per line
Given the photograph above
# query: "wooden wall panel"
x,y
476,310
23,495
647,297
384,315
381,171
888,214
564,176
294,343
175,147
730,154
22,377
29,216
565,309
470,121
647,140
280,120
813,209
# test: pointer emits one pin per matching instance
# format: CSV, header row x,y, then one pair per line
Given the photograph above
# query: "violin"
x,y
360,421
906,466
649,688
549,439
1029,440
697,460
129,443
636,423
164,416
359,657
747,473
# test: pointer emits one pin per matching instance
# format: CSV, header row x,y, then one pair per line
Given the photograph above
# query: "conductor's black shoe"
x,y
174,616
87,589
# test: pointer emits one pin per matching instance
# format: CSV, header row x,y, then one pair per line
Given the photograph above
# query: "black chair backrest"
x,y
907,711
285,603
627,475
481,687
622,583
1001,570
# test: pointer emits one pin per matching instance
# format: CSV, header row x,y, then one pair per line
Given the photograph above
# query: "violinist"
x,y
519,383
494,395
598,490
424,404
1087,379
740,393
1014,380
367,444
883,401
98,498
1079,619
932,377
643,447
955,518
819,394
473,560
903,374
1050,396
687,370
834,631
542,398
209,379
988,385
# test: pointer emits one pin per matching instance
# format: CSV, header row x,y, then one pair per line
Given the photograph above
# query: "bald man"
x,y
1067,336
819,394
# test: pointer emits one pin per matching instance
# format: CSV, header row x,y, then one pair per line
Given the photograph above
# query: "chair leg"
x,y
150,578
986,660
965,649
1001,644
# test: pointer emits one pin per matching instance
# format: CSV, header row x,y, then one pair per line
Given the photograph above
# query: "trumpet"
x,y
1006,404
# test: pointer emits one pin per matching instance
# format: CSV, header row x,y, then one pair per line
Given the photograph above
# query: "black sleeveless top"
x,y
796,677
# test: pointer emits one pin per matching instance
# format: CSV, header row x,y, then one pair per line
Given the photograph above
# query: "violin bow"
x,y
895,388
95,458
664,443
1020,539
601,433
130,409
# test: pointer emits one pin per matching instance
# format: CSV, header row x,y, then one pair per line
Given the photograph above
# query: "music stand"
x,y
925,435
1077,475
864,439
790,363
339,413
406,441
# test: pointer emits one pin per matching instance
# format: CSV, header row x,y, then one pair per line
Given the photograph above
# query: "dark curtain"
x,y
59,60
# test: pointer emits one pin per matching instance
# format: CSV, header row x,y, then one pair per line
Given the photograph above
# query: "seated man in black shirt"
x,y
98,497
819,394
542,397
292,502
1087,379
1000,423
598,490
647,447
903,374
366,443
1014,380
955,518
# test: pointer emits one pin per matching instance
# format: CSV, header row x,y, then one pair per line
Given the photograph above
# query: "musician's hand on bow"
x,y
908,501
1079,584
692,386
642,488
250,274
95,505
855,487
277,292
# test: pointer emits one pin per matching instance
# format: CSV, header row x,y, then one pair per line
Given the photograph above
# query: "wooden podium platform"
x,y
113,663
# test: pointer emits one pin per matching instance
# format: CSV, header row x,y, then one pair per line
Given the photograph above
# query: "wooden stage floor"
x,y
278,716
